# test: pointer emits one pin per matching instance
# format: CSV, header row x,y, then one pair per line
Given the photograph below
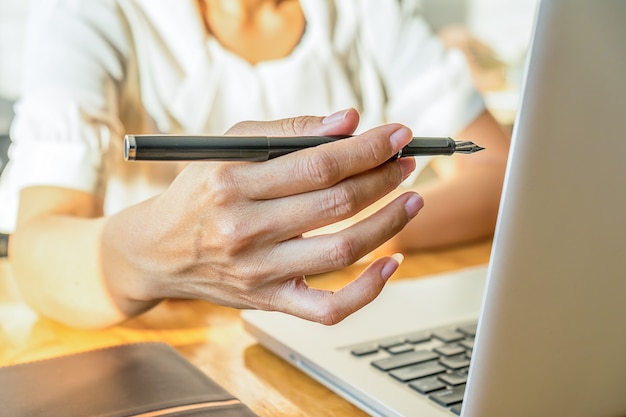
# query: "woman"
x,y
96,240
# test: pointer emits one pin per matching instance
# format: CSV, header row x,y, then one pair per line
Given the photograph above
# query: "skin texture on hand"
x,y
232,233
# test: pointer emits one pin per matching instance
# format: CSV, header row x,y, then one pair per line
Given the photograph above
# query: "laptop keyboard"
x,y
434,363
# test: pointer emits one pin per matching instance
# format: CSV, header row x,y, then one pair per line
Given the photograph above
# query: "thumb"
x,y
341,123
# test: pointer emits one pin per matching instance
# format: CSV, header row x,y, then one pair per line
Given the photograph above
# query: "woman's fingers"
x,y
322,166
302,213
326,165
322,253
330,307
343,122
255,271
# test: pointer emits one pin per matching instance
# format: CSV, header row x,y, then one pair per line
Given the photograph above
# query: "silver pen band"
x,y
130,148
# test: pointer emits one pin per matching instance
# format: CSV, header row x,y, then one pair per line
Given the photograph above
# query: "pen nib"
x,y
467,147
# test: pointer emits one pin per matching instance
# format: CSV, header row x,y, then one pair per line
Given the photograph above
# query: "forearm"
x,y
456,211
56,263
463,204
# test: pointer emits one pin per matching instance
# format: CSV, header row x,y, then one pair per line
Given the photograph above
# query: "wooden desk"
x,y
212,337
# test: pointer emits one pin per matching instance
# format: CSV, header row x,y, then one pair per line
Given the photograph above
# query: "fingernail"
x,y
391,266
400,138
335,118
413,205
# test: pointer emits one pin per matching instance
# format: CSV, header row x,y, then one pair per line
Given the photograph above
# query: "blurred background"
x,y
13,15
494,35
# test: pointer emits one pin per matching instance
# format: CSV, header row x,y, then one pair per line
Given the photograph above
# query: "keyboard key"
x,y
427,385
456,409
395,350
448,397
420,337
454,378
420,370
404,359
387,343
449,336
468,329
467,343
455,362
364,350
450,350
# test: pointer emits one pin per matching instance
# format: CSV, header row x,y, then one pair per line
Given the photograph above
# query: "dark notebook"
x,y
150,379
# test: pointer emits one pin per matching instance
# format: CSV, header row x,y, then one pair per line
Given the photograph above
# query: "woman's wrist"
x,y
124,258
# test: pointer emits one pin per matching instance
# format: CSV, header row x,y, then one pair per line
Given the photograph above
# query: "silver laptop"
x,y
541,330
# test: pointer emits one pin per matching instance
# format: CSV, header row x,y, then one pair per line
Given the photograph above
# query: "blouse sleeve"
x,y
428,87
68,111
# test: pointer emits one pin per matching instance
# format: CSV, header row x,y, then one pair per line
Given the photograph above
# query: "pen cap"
x,y
194,148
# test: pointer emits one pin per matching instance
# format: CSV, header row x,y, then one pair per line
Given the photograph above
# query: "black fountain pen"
x,y
260,148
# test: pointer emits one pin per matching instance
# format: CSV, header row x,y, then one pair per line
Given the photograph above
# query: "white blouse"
x,y
99,69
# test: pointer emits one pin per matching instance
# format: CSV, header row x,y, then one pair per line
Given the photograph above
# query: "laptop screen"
x,y
557,280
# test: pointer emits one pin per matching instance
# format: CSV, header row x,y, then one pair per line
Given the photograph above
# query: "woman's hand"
x,y
231,233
